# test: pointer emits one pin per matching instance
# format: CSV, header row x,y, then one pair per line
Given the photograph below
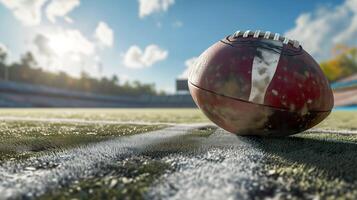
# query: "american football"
x,y
260,83
166,100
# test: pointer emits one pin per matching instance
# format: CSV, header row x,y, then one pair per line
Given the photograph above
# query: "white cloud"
x,y
148,7
104,34
3,49
70,41
123,78
189,64
137,58
59,49
42,44
321,30
60,8
177,24
29,12
168,89
26,11
4,52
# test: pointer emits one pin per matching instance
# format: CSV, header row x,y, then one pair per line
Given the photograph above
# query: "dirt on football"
x,y
169,154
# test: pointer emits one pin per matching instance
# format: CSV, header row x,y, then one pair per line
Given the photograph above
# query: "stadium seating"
x,y
15,94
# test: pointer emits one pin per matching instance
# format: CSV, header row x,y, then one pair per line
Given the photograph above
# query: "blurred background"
x,y
125,53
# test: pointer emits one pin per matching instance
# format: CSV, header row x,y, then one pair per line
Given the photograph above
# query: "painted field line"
x,y
225,167
84,121
332,131
35,176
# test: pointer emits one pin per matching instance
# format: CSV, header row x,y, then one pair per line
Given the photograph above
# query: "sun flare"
x,y
60,44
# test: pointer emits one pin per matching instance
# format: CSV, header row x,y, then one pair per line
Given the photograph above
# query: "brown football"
x,y
260,83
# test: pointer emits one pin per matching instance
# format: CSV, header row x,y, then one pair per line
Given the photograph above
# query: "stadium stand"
x,y
13,94
345,92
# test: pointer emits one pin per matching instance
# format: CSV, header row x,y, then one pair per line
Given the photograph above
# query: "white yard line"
x,y
23,179
332,131
85,121
227,170
223,166
74,120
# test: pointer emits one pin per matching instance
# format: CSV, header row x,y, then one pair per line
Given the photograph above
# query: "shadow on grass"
x,y
338,159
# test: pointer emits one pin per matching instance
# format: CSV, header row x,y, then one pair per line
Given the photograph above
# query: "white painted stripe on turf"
x,y
18,180
264,66
227,169
74,120
332,131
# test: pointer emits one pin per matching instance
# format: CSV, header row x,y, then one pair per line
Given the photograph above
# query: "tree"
x,y
332,69
3,54
28,60
342,65
3,66
27,71
115,79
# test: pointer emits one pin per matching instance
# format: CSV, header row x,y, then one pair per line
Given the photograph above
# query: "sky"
x,y
156,41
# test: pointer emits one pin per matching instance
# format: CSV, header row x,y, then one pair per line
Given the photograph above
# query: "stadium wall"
x,y
14,94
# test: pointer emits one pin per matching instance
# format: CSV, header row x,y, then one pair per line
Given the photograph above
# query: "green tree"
x,y
28,60
28,71
115,79
3,54
342,65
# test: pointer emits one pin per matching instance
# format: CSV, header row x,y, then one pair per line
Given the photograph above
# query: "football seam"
x,y
236,99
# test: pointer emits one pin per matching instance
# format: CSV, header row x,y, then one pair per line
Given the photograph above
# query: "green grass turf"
x,y
336,120
146,115
132,177
309,165
314,165
340,120
306,165
128,179
19,139
317,164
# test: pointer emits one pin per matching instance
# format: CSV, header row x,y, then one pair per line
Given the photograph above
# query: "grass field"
x,y
336,120
23,139
306,165
137,115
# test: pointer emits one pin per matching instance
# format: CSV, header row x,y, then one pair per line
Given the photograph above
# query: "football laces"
x,y
266,35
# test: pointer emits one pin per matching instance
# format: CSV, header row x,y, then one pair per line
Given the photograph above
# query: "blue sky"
x,y
171,31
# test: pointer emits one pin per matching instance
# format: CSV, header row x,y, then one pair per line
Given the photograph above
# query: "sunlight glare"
x,y
60,44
